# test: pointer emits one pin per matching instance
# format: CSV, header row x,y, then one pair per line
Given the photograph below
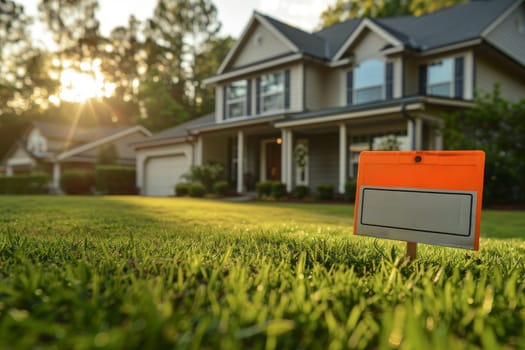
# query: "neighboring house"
x,y
52,147
364,84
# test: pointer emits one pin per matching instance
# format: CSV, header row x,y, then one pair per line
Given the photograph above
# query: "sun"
x,y
85,83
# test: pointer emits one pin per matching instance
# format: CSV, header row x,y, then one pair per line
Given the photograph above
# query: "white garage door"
x,y
162,173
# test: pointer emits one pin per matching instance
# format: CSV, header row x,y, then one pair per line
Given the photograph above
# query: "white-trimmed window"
x,y
236,99
440,78
369,81
272,92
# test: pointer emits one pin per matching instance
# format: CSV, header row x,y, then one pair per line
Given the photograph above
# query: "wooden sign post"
x,y
431,197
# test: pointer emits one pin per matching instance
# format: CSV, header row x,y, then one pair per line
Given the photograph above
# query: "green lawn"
x,y
132,272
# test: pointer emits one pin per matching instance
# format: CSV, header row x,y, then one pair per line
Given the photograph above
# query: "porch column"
x,y
56,177
418,134
343,157
410,134
289,161
9,170
240,161
284,143
198,151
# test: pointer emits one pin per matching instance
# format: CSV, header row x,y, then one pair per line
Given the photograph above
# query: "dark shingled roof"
x,y
445,27
180,130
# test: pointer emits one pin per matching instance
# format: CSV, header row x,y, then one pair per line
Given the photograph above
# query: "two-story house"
x,y
300,107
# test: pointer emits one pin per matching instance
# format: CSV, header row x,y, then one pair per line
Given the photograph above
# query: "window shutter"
x,y
423,79
258,96
458,77
389,80
224,99
287,89
248,97
349,87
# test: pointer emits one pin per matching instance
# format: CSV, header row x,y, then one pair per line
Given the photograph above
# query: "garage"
x,y
163,172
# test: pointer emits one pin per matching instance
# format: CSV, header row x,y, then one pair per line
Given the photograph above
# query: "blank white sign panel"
x,y
418,214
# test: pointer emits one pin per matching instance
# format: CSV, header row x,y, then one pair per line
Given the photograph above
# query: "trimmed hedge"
x,y
182,189
325,191
197,190
278,190
115,179
350,188
301,192
221,188
77,181
264,189
36,183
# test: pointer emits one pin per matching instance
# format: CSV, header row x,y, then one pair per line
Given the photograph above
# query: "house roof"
x,y
63,137
179,131
437,29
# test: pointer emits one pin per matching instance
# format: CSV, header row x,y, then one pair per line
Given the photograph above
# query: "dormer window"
x,y
370,81
236,99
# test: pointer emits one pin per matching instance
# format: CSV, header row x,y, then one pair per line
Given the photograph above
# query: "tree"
x,y
174,38
496,126
210,56
159,110
348,9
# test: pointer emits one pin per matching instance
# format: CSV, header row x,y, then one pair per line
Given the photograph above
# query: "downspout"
x,y
410,119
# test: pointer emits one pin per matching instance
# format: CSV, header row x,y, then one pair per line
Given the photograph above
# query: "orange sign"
x,y
431,197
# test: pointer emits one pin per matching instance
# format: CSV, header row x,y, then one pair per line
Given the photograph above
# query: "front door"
x,y
273,161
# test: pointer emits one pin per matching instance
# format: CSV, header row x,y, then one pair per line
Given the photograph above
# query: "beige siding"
x,y
509,35
323,158
369,46
296,87
219,109
490,71
325,87
215,148
410,76
260,44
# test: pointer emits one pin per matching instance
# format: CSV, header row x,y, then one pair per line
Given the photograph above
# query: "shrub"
x,y
206,174
264,189
78,181
325,191
278,190
301,192
221,188
350,188
197,190
114,179
182,189
36,183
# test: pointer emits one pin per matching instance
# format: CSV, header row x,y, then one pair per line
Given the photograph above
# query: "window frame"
x,y
242,99
366,87
282,93
451,81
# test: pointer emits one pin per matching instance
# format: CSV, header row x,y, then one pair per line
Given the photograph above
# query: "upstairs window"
x,y
236,99
442,78
273,92
369,81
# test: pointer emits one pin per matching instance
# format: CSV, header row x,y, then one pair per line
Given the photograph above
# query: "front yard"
x,y
132,272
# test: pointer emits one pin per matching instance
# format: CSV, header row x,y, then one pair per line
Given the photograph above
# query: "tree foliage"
x,y
348,9
496,126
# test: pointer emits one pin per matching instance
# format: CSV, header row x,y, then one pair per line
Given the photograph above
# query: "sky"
x,y
233,14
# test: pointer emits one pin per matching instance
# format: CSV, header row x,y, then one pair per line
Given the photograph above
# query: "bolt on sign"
x,y
431,197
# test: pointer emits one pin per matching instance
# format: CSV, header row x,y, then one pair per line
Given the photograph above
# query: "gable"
x,y
368,45
258,45
509,35
371,38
